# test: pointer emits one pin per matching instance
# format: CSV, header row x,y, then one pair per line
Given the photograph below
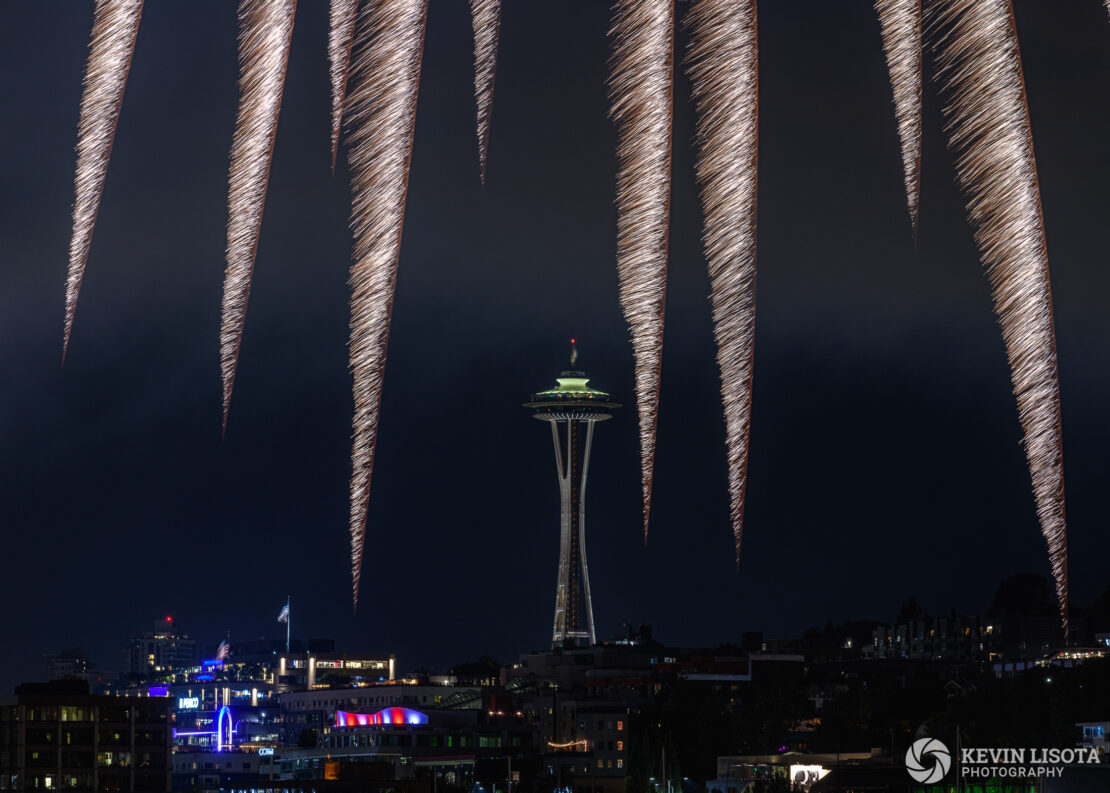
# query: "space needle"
x,y
572,409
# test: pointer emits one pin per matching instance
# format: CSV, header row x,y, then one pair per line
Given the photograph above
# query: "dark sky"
x,y
886,456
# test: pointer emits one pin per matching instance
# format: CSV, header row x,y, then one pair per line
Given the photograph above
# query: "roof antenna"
x,y
573,352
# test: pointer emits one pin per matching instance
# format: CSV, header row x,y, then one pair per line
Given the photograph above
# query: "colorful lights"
x,y
157,691
224,729
385,716
581,745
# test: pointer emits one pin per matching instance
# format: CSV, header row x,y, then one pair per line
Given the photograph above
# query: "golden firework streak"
x,y
266,27
341,36
115,27
486,18
381,121
988,122
724,71
641,89
901,24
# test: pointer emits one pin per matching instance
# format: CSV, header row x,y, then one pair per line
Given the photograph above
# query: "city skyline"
x,y
877,366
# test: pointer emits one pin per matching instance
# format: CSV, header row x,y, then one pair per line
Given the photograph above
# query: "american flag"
x,y
283,616
223,651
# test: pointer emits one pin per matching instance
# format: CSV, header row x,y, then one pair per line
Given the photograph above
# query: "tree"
x,y
910,611
1025,595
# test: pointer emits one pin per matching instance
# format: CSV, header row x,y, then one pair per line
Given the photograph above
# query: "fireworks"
x,y
901,24
341,36
486,15
381,48
115,27
980,69
640,86
724,71
266,27
382,117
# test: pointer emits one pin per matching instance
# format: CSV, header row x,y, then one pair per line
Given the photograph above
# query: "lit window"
x,y
620,726
620,746
620,762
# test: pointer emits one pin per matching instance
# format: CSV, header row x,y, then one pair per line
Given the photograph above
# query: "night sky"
x,y
886,451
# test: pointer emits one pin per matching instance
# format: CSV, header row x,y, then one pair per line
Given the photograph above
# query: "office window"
x,y
600,763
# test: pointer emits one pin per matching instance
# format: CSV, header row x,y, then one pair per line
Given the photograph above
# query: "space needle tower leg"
x,y
582,532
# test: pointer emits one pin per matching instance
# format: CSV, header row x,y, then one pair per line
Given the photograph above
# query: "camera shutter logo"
x,y
928,760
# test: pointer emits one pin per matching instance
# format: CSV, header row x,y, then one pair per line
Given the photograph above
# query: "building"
x,y
1096,735
969,639
72,662
1012,638
58,736
584,743
315,711
633,673
572,409
801,771
218,771
301,671
162,651
461,748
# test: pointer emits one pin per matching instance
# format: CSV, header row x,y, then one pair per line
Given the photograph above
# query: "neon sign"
x,y
188,703
385,716
224,729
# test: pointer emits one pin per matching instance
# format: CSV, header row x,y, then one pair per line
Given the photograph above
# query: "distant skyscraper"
x,y
164,649
69,662
572,408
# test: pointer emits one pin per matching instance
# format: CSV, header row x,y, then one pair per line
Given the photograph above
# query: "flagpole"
x,y
288,622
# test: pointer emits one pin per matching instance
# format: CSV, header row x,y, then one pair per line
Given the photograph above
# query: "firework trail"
x,y
382,115
979,65
486,17
265,29
115,26
640,89
724,72
341,36
901,24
